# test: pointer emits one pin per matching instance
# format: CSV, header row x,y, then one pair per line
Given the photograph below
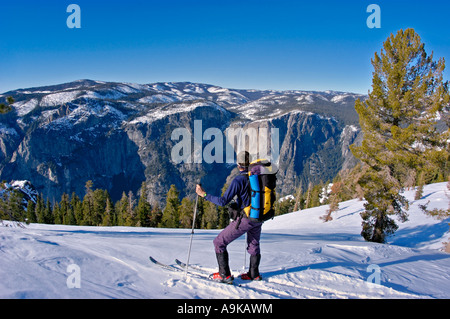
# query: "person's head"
x,y
243,160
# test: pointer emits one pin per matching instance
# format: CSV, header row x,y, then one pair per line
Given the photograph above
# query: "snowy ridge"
x,y
163,111
251,104
302,257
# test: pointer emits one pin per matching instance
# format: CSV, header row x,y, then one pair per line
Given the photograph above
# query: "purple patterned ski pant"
x,y
230,233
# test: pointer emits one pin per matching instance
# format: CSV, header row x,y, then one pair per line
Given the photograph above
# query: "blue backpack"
x,y
263,180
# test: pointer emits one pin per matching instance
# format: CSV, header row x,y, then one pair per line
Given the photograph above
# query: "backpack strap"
x,y
249,190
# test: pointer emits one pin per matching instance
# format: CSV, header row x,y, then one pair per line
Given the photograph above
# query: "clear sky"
x,y
258,44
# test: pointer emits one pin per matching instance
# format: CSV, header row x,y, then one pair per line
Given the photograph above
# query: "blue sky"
x,y
259,44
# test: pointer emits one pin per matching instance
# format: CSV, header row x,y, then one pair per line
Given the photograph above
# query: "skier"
x,y
240,225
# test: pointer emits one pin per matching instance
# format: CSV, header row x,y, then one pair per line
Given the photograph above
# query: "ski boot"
x,y
219,278
224,274
253,273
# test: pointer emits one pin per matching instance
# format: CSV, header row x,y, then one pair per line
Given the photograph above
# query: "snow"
x,y
287,197
81,114
128,89
338,98
109,94
302,257
163,111
25,107
59,98
305,99
215,89
158,98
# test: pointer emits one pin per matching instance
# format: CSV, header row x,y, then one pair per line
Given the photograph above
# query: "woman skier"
x,y
238,188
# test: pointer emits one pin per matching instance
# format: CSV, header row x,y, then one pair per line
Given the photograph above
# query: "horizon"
x,y
262,45
174,82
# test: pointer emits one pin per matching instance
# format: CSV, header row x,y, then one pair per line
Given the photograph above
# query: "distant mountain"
x,y
120,134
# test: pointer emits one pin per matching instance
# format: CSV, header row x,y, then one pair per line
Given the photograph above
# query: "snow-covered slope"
x,y
302,257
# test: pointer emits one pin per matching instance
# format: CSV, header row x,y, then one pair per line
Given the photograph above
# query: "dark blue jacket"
x,y
239,187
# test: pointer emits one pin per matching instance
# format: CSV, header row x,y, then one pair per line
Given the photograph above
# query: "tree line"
x,y
97,209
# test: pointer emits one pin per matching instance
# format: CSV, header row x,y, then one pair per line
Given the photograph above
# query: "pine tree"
x,y
122,209
99,205
210,216
224,216
109,215
334,200
64,207
130,219
298,198
285,206
186,213
316,195
200,212
48,213
70,219
309,196
171,212
15,205
155,215
420,185
144,208
399,124
277,205
31,212
57,216
3,198
88,206
40,210
77,207
11,205
5,108
67,209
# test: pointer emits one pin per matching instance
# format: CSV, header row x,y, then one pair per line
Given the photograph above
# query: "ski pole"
x,y
245,255
192,235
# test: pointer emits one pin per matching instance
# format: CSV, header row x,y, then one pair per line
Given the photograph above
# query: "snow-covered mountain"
x,y
250,104
119,134
302,257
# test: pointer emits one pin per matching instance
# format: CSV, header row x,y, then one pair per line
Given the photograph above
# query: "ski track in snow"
x,y
302,257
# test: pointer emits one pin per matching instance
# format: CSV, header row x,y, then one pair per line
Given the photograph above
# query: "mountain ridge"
x,y
118,134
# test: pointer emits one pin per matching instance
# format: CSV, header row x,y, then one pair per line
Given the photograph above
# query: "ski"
x,y
192,267
197,273
192,272
202,272
164,266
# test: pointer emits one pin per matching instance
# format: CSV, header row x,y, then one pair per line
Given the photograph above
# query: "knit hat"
x,y
243,159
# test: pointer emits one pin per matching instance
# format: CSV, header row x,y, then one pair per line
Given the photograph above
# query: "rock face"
x,y
119,135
